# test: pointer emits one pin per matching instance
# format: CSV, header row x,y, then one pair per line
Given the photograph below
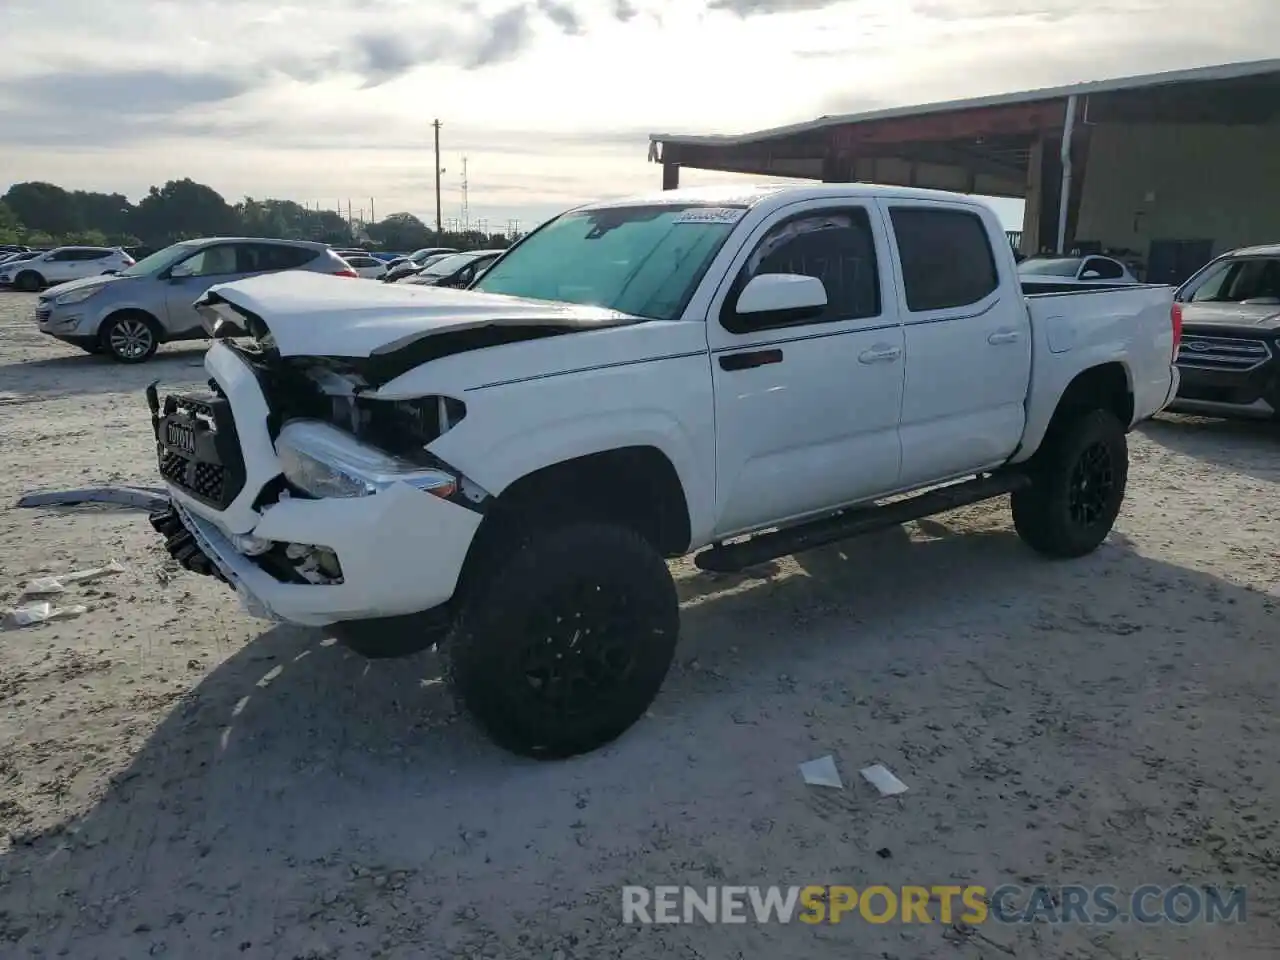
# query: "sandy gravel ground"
x,y
176,779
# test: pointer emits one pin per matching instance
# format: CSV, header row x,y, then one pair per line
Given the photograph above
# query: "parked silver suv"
x,y
131,313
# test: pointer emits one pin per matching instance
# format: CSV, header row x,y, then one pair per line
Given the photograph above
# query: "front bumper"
x,y
1235,373
400,550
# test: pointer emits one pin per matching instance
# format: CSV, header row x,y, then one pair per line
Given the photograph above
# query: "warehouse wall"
x,y
1181,182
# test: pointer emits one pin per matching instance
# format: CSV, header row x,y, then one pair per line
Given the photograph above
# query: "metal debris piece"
x,y
822,773
141,498
880,777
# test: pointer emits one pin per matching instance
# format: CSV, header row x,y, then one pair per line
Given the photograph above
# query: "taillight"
x,y
1175,318
347,272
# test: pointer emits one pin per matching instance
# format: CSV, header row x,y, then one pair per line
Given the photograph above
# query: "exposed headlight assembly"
x,y
323,461
78,296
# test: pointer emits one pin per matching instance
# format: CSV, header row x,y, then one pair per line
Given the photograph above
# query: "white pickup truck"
x,y
501,471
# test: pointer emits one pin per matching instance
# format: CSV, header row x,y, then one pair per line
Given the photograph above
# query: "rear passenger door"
x,y
807,412
967,339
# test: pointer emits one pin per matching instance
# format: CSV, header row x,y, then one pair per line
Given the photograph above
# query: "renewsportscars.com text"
x,y
973,905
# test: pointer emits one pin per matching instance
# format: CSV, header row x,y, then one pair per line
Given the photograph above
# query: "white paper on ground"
x,y
880,777
30,613
43,585
822,773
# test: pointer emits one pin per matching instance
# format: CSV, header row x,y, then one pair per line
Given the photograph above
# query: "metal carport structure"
x,y
1037,145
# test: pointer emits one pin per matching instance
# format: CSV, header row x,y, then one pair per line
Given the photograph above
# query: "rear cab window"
x,y
946,257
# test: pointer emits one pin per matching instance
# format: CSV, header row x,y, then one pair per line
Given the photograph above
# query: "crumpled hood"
x,y
316,315
1264,315
72,285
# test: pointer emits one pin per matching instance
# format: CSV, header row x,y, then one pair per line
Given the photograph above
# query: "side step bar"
x,y
732,557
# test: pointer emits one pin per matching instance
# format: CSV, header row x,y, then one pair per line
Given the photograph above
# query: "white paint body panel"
x,y
856,411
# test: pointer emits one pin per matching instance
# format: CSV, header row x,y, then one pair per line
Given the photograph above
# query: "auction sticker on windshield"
x,y
710,215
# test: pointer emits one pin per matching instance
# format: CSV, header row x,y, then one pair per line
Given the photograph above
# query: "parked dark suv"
x,y
1230,354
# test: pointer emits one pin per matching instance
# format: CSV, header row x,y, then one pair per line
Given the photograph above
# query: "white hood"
x,y
312,314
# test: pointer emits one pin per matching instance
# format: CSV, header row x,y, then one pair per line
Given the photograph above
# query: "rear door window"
x,y
262,257
947,261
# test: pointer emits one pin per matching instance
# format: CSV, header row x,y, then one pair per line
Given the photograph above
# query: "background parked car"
x,y
367,267
1229,358
1048,274
411,268
16,258
128,315
457,270
62,264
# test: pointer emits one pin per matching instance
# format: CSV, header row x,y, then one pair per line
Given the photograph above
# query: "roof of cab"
x,y
755,194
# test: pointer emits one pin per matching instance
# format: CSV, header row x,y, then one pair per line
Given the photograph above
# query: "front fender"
x,y
512,431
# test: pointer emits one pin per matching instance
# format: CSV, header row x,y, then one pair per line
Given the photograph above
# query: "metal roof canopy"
x,y
987,141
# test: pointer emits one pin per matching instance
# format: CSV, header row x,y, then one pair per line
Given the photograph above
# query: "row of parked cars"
x,y
104,302
101,300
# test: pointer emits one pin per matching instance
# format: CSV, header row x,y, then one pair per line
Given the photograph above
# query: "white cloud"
x,y
551,100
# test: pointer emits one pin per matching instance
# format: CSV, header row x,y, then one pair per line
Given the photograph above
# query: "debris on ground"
x,y
142,498
880,777
42,586
822,773
41,611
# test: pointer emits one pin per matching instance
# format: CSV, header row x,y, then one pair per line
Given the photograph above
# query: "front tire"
x,y
129,338
28,281
1078,484
562,643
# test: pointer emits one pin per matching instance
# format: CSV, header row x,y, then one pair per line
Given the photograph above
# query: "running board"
x,y
732,557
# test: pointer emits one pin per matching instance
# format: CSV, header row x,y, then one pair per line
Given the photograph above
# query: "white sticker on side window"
x,y
710,215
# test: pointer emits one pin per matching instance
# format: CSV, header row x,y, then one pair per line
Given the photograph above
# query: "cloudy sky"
x,y
551,101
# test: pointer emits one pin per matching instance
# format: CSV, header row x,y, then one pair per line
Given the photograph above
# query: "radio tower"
x,y
466,210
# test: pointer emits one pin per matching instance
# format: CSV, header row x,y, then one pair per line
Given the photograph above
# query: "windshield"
x,y
641,260
150,266
1050,268
448,264
1233,281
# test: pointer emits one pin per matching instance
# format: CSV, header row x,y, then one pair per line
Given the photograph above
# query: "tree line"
x,y
45,215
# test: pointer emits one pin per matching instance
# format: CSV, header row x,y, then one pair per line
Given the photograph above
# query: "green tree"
x,y
181,210
11,229
400,231
45,207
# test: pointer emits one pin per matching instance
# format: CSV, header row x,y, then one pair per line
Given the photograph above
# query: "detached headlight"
x,y
77,296
326,462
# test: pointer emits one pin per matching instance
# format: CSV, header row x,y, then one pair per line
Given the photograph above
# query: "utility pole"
x,y
466,210
372,218
439,223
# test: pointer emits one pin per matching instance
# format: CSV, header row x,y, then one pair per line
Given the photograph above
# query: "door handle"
x,y
749,360
879,354
1004,336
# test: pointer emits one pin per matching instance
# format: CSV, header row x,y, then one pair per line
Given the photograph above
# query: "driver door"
x,y
189,278
807,412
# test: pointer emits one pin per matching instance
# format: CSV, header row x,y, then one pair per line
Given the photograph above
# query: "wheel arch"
x,y
636,487
1106,385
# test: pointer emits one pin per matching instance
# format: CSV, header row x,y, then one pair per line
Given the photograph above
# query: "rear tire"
x,y
28,281
564,640
130,337
1078,484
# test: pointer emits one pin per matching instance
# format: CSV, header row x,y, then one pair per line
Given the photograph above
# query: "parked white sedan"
x,y
370,268
1067,272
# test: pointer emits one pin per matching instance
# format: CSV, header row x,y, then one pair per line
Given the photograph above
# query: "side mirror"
x,y
180,271
787,297
1091,275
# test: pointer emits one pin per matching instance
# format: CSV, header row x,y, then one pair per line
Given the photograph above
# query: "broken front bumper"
x,y
399,550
